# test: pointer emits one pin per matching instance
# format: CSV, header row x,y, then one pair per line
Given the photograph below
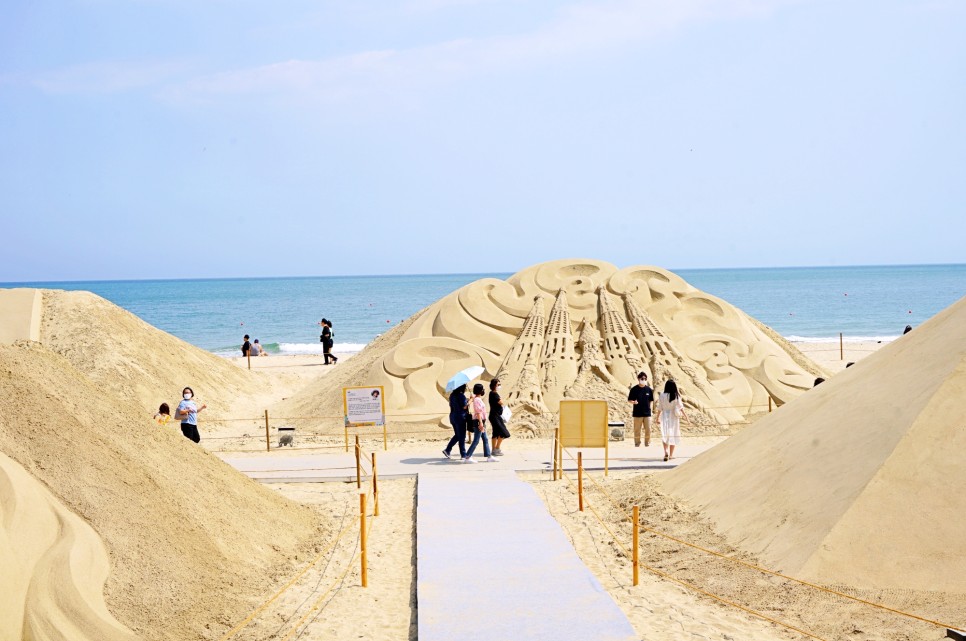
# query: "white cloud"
x,y
106,77
576,30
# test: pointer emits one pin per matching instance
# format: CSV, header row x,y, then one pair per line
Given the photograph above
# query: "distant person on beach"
x,y
163,417
478,421
327,341
257,349
641,396
188,413
457,417
670,411
500,431
246,347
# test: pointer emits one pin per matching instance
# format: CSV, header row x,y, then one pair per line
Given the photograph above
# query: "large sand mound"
x,y
583,329
861,480
191,541
137,362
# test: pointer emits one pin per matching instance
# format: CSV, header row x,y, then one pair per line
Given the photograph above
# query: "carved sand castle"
x,y
605,325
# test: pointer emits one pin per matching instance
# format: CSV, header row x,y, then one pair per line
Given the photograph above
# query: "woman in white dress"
x,y
670,410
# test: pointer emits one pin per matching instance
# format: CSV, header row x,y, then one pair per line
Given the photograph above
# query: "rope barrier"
x,y
753,566
331,585
288,585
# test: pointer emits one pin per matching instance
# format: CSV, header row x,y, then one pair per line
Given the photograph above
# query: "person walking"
x,y
457,416
478,412
641,396
500,431
188,413
327,341
670,411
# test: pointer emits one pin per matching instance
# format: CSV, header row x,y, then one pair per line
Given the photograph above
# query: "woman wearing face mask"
x,y
499,428
188,413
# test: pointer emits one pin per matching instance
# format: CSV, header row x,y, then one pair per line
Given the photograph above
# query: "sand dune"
x,y
859,481
135,361
191,542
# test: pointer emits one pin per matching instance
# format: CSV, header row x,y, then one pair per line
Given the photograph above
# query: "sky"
x,y
216,138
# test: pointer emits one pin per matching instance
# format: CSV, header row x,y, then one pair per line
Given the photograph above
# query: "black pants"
x,y
191,431
459,437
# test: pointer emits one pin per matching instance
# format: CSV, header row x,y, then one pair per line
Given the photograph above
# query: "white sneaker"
x,y
445,453
490,459
468,460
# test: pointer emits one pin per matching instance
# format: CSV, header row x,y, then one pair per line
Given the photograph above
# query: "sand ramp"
x,y
493,564
859,481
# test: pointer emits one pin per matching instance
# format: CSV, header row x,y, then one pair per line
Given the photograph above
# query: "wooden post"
x,y
556,432
268,443
375,488
637,518
346,437
606,455
362,538
358,465
769,403
249,354
841,348
580,481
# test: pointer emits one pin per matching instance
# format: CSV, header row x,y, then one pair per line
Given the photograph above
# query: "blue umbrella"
x,y
463,377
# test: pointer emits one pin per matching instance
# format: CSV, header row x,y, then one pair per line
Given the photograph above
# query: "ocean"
x,y
802,303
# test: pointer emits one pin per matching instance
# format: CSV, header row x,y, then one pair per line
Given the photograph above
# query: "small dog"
x,y
286,439
617,434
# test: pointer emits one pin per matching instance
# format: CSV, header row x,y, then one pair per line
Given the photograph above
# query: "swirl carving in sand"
x,y
604,325
53,566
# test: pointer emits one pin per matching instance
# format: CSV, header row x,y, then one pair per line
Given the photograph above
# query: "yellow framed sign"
x,y
583,424
364,406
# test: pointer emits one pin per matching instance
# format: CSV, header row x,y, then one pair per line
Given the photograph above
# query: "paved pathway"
x,y
494,565
291,466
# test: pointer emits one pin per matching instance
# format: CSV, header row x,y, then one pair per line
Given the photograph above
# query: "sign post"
x,y
584,424
364,406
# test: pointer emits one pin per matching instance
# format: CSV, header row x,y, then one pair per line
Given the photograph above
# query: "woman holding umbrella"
x,y
457,416
456,388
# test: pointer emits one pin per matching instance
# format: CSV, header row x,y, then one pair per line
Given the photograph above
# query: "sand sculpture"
x,y
605,324
52,567
860,481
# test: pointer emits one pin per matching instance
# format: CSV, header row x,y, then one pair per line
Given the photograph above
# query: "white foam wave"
x,y
845,339
316,348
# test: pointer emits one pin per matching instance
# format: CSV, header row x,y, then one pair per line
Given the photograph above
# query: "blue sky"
x,y
186,138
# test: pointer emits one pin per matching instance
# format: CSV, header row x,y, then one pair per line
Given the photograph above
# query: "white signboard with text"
x,y
364,405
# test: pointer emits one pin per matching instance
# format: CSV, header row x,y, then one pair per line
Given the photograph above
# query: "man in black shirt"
x,y
641,397
246,346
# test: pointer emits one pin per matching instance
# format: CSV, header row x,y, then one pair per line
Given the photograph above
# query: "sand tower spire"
x,y
559,359
519,372
621,348
666,361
